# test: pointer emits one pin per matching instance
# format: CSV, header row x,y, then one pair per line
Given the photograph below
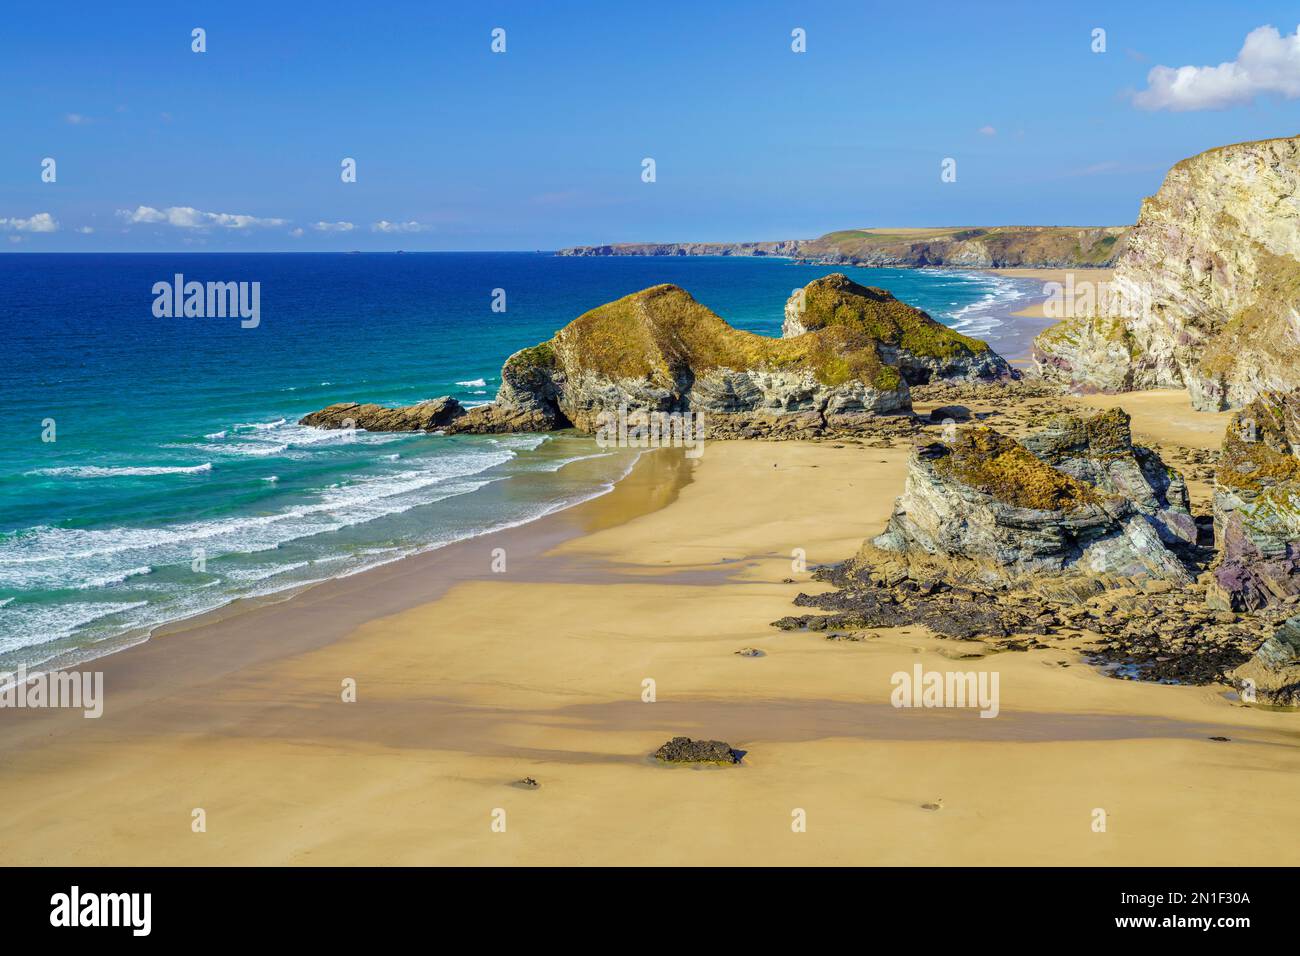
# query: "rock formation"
x,y
1257,506
1272,676
1209,286
848,356
1093,509
1100,451
429,416
686,750
905,337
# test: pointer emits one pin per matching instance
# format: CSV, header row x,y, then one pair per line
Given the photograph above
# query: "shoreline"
x,y
468,680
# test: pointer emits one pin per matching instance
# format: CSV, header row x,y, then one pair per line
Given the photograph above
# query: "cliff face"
x,y
1210,282
850,354
995,247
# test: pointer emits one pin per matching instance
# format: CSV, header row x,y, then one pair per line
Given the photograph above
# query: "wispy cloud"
x,y
339,226
187,217
1268,63
384,225
41,222
988,131
76,119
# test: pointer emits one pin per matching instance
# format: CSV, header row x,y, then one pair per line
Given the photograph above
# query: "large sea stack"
x,y
848,354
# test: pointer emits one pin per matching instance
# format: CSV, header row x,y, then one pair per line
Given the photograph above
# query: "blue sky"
x,y
540,147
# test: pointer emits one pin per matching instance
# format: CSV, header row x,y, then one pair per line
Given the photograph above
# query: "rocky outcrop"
x,y
1087,515
686,750
1257,506
921,348
660,351
433,415
1272,676
982,248
1100,451
1208,288
1156,632
848,356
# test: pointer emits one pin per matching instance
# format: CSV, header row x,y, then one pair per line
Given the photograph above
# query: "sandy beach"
x,y
468,680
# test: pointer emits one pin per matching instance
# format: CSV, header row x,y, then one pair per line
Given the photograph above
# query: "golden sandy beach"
x,y
468,680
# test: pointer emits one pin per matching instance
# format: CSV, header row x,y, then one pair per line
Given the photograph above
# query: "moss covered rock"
x,y
989,506
906,337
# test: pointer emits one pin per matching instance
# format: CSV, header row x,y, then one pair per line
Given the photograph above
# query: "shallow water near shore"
x,y
178,479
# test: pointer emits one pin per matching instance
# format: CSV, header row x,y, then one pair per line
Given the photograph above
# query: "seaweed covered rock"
x,y
686,750
987,502
433,415
1257,506
906,337
1272,676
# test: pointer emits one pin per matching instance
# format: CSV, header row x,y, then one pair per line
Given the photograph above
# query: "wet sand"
x,y
468,680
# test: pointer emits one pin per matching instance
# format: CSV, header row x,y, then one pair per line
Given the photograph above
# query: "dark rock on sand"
x,y
686,750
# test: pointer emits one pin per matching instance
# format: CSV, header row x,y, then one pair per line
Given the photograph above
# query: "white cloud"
x,y
296,232
988,131
1268,63
187,217
384,225
76,119
333,226
85,230
41,222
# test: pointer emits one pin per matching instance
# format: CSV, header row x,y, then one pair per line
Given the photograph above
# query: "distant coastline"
x,y
1047,247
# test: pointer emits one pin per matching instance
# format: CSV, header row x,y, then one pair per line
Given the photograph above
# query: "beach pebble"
x,y
749,652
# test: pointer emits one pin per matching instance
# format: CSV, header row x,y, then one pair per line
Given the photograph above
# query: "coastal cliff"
x,y
987,248
1208,286
848,353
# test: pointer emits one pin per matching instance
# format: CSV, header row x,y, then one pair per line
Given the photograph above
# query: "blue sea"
x,y
152,469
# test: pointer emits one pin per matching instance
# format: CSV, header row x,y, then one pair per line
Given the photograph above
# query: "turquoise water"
x,y
178,480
